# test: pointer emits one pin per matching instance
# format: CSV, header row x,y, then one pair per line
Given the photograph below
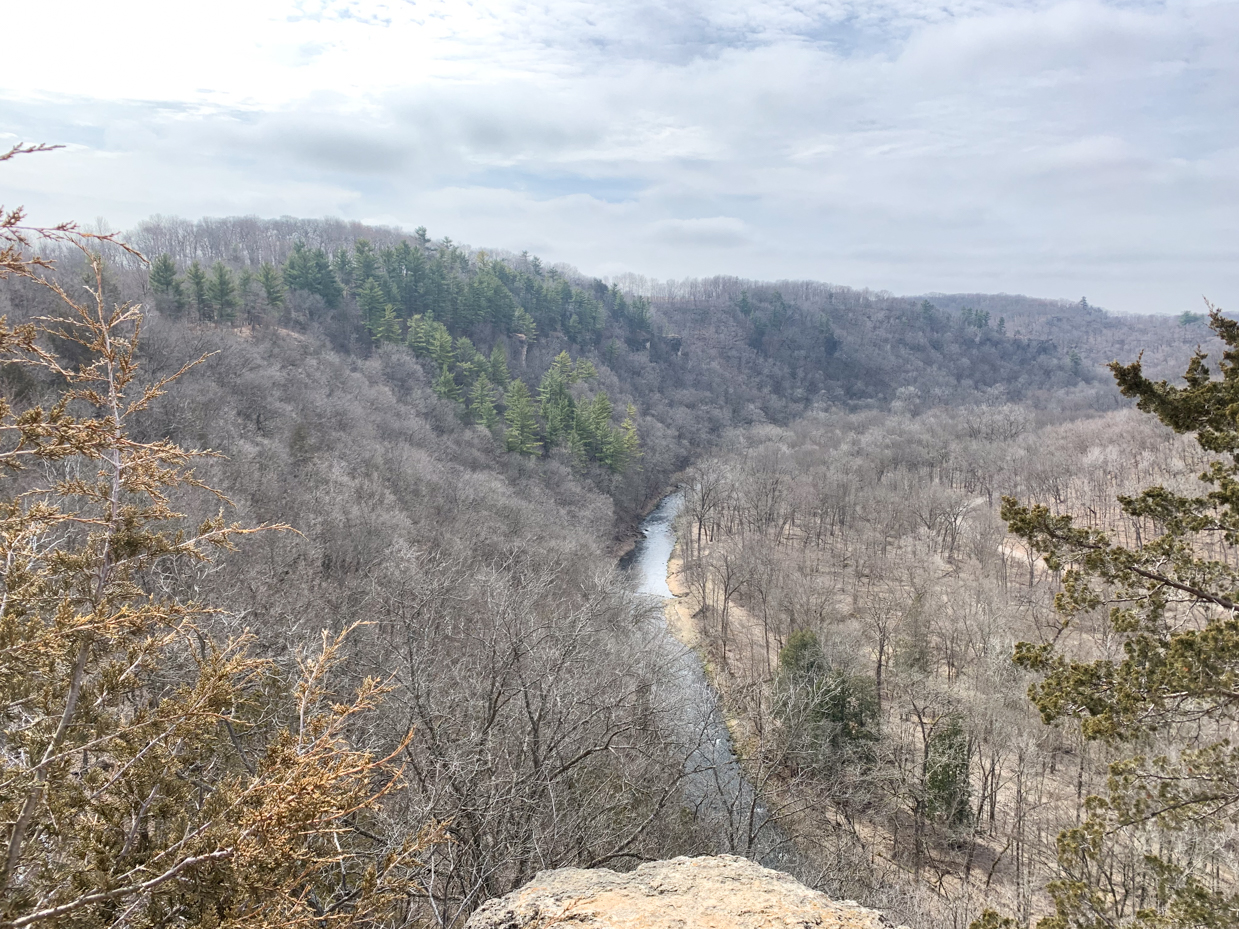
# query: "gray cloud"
x,y
714,231
1049,148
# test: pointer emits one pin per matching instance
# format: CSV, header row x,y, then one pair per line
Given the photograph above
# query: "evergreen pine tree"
x,y
325,283
522,425
557,405
641,318
619,306
947,788
310,270
175,299
625,445
373,304
446,386
163,274
222,292
342,264
299,268
272,283
562,370
388,329
523,323
469,361
482,403
413,279
576,446
837,711
169,289
196,277
598,427
365,261
440,346
559,414
415,338
247,298
499,365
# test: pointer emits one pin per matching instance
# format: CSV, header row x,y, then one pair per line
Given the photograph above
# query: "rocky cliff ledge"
x,y
722,892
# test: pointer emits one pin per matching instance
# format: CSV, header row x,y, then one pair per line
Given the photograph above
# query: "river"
x,y
717,786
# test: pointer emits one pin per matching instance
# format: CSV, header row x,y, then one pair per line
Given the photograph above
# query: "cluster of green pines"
x,y
391,285
430,301
555,418
979,319
219,294
395,285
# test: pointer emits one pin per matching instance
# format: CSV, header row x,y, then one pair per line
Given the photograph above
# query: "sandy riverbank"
x,y
680,609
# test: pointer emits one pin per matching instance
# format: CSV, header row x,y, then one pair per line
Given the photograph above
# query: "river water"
x,y
717,787
648,560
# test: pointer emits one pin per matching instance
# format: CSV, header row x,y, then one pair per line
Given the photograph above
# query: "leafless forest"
x,y
859,600
427,420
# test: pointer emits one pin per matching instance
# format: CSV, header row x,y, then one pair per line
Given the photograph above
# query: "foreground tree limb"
x,y
125,795
1168,705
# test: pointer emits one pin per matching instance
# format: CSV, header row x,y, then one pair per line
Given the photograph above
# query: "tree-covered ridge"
x,y
492,618
437,301
795,339
381,290
693,359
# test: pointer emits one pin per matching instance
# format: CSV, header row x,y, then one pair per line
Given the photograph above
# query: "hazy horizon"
x,y
1055,150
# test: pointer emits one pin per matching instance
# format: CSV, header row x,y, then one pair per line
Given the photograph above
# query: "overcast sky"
x,y
1053,149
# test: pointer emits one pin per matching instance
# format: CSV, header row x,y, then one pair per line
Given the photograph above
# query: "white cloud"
x,y
1050,148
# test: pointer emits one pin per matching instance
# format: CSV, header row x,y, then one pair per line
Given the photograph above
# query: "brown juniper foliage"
x,y
126,795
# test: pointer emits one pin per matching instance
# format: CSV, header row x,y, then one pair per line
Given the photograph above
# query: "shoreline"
x,y
679,615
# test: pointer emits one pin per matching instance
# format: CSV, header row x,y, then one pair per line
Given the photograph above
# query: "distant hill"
x,y
1097,335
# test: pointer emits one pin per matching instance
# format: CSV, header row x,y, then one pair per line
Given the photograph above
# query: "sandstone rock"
x,y
721,892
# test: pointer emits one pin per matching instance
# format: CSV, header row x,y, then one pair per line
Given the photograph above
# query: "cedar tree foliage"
x,y
151,774
1166,697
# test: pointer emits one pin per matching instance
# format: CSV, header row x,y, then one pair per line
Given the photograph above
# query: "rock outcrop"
x,y
721,892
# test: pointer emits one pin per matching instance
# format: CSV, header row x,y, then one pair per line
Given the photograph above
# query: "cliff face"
x,y
721,892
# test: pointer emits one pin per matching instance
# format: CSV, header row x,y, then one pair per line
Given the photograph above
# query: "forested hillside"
x,y
647,382
473,583
860,601
455,440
